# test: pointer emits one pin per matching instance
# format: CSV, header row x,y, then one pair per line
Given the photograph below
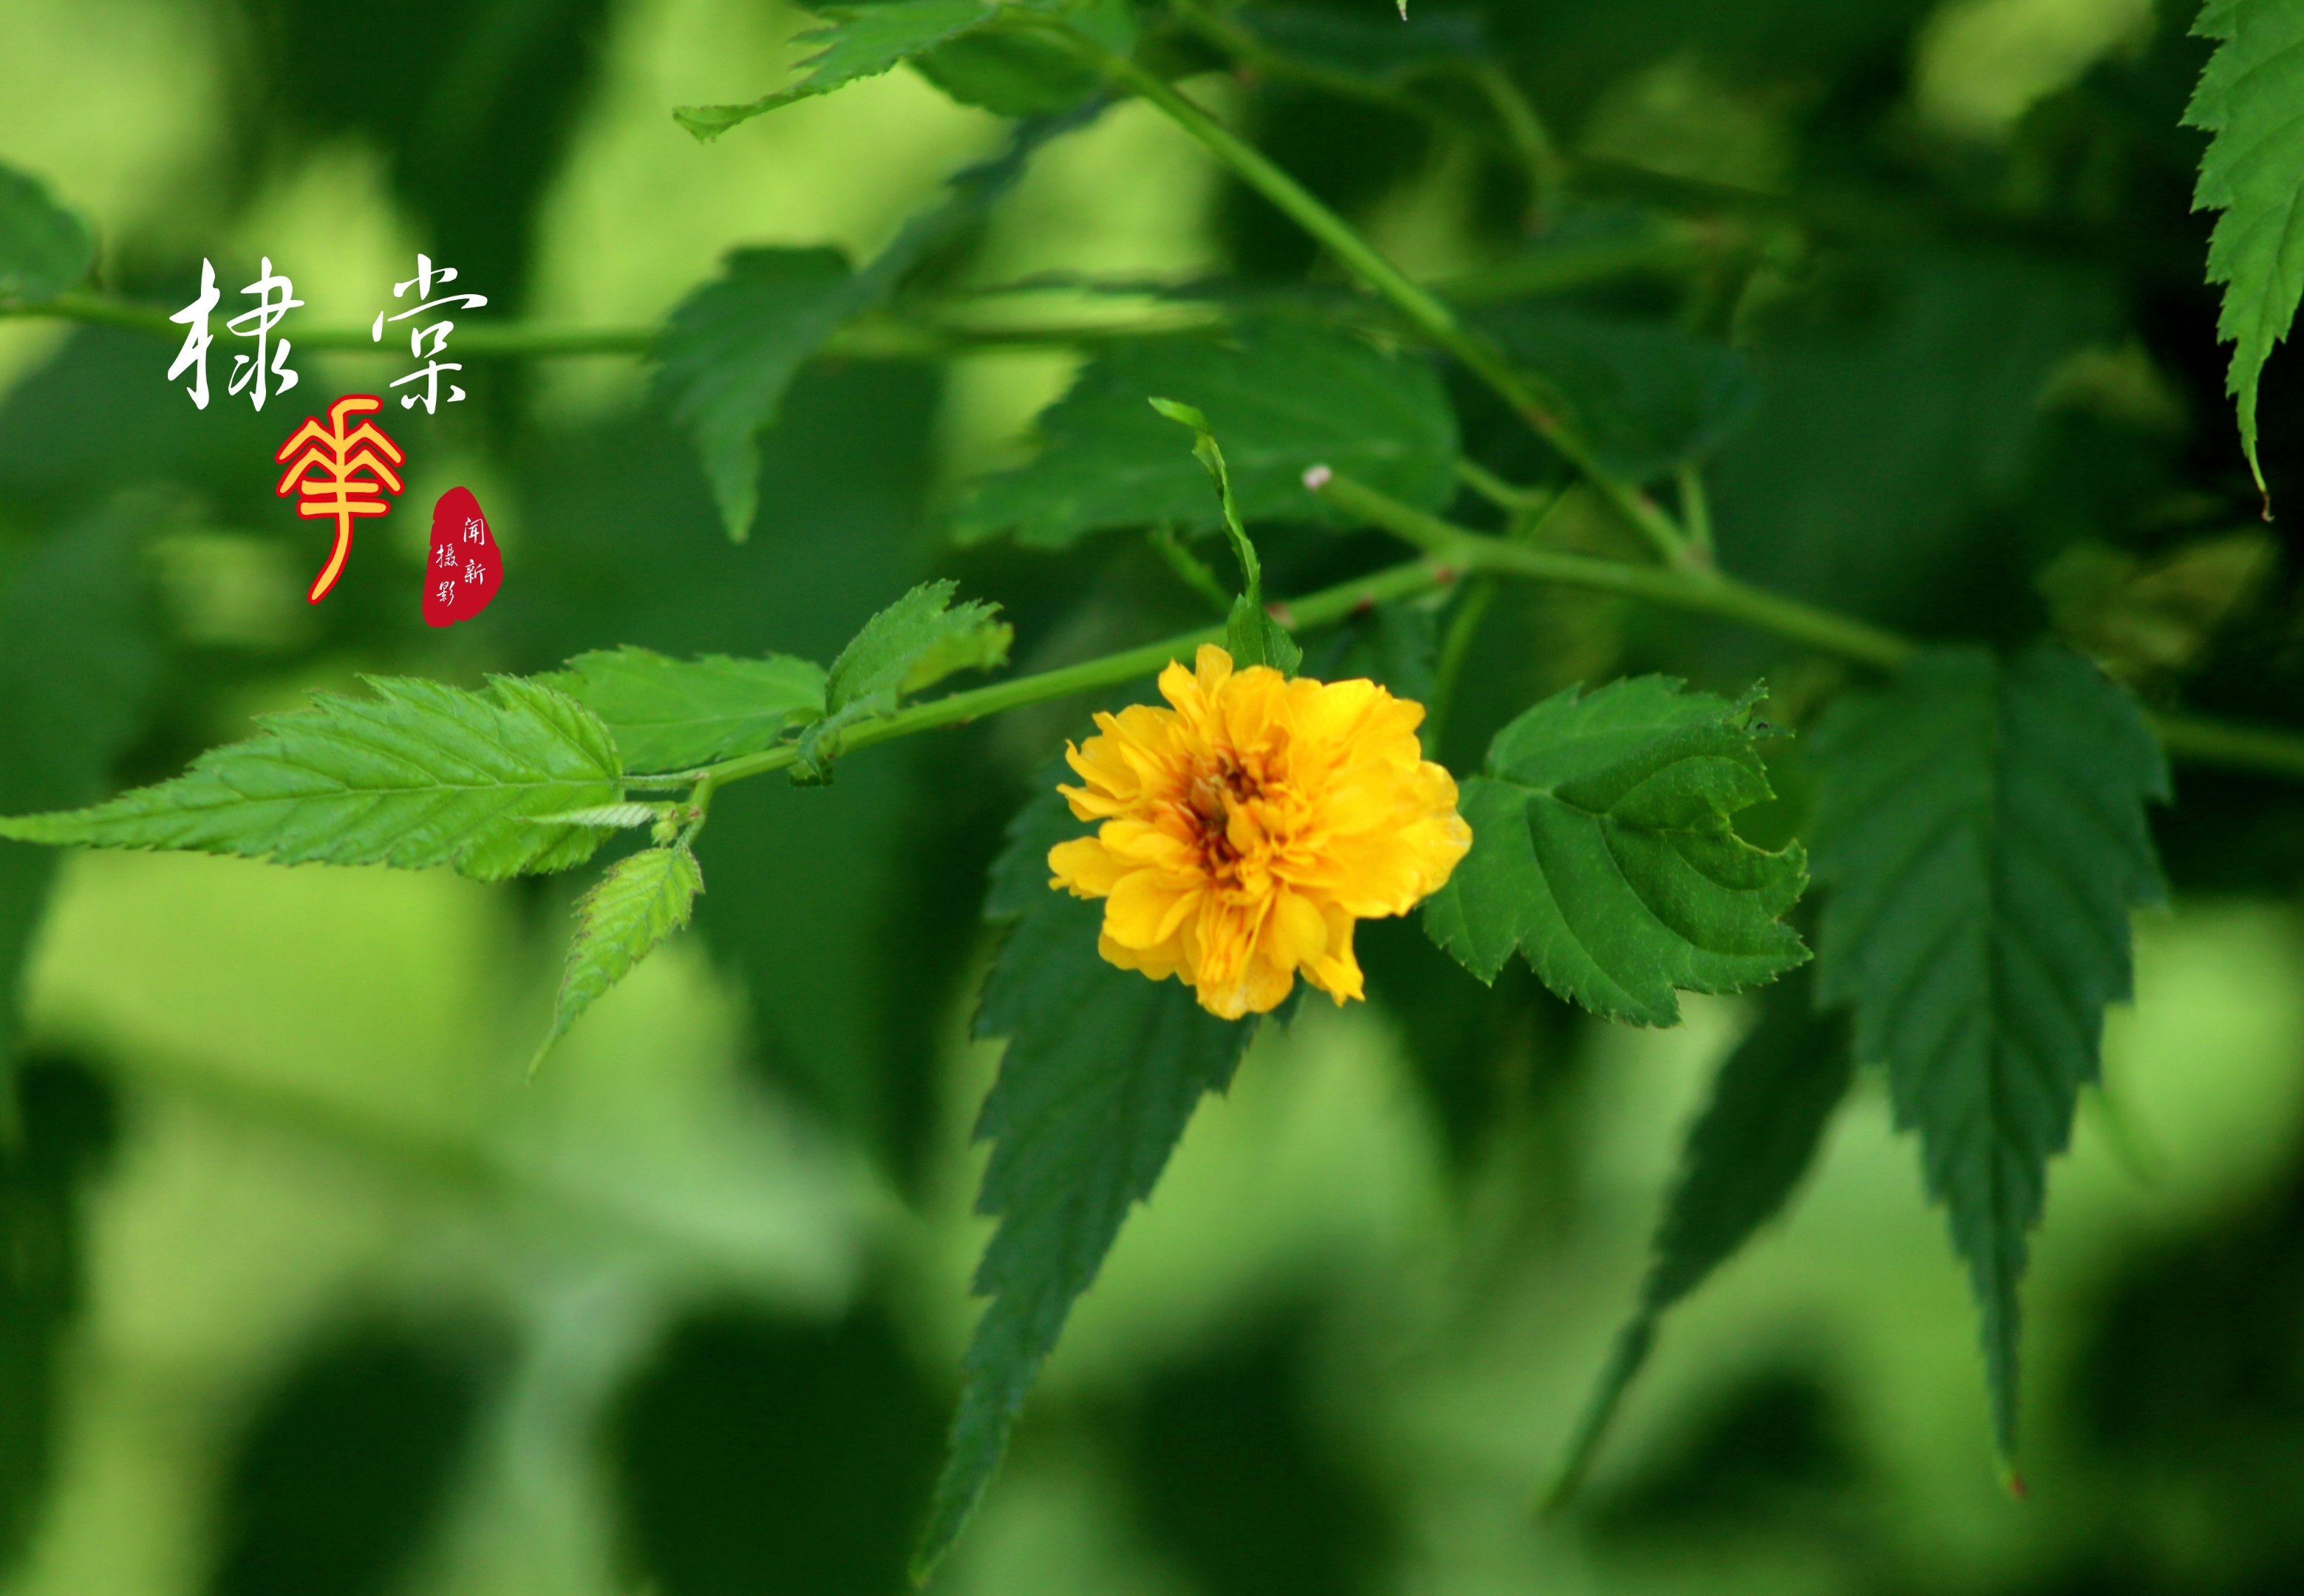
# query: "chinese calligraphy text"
x,y
265,372
434,333
335,491
465,567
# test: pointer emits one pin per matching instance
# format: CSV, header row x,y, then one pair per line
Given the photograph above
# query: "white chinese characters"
x,y
437,333
263,374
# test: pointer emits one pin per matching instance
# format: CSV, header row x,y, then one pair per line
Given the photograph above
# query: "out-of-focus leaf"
x,y
2251,98
1646,396
863,41
77,669
1367,46
732,347
1742,1160
421,774
912,645
1392,644
1013,72
44,248
1602,849
1102,1073
670,714
641,901
730,352
1284,398
1981,828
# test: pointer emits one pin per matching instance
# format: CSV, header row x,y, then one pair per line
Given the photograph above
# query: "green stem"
x,y
1696,510
1425,310
1504,496
1532,141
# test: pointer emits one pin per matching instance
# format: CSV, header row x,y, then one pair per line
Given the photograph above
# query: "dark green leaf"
x,y
1739,1166
1982,829
911,646
1284,398
2251,98
1014,72
77,670
1602,850
1392,644
44,248
672,715
1368,46
641,901
863,41
1103,1070
731,348
1646,395
421,774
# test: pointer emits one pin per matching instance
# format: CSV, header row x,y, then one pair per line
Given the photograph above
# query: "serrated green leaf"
x,y
44,248
669,714
78,667
421,774
732,348
1017,72
1981,829
1284,398
1602,849
863,41
1742,1160
640,901
2251,99
911,646
1102,1073
1645,396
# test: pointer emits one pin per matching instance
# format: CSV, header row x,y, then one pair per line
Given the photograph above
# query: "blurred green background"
x,y
308,1290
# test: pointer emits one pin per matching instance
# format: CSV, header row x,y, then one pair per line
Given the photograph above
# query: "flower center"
x,y
1215,789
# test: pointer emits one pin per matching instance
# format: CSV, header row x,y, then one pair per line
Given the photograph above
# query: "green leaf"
x,y
670,714
863,41
1284,398
1602,849
1646,396
1394,644
1371,48
44,248
1742,1160
78,668
421,774
1981,828
641,902
2251,98
1252,635
1014,72
911,646
1102,1073
732,348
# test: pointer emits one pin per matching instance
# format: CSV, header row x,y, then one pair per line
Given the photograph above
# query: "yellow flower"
x,y
1246,828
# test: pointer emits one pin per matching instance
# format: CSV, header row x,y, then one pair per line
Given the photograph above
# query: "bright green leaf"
x,y
1251,635
641,902
1602,849
2251,98
1102,1073
1283,397
670,714
421,774
1981,828
1646,396
863,41
44,248
1743,1158
911,646
732,348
